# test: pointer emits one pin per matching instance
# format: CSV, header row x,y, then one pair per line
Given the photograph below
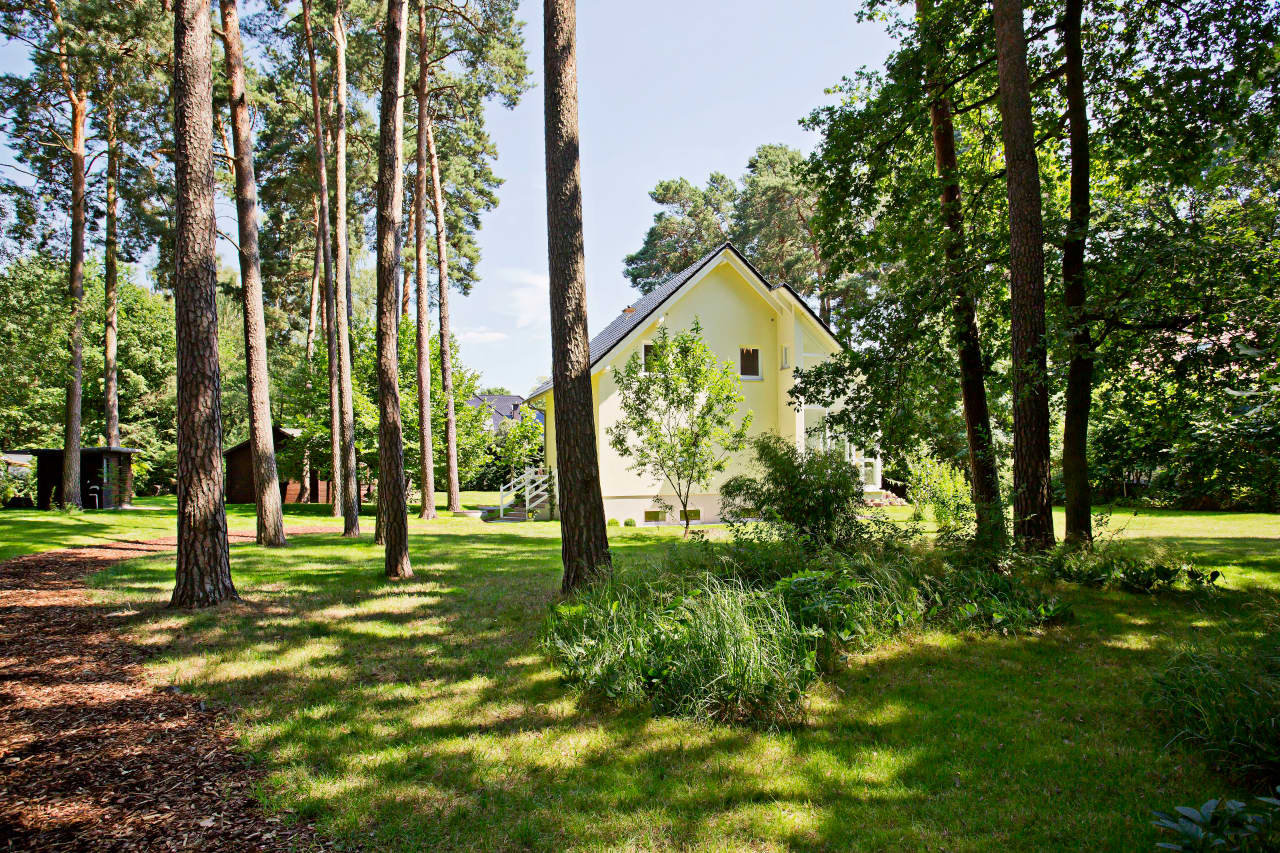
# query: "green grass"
x,y
419,715
28,531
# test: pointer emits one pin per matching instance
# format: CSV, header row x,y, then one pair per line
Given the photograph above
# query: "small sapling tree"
x,y
679,414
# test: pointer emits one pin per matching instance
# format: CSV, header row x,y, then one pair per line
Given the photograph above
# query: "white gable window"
x,y
749,363
786,358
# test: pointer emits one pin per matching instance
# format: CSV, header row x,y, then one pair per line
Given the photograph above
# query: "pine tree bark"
x,y
984,479
111,281
336,481
350,491
304,489
446,344
78,100
426,458
1032,511
266,479
1079,394
584,541
203,572
392,506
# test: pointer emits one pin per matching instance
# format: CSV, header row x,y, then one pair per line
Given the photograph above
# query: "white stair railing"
x,y
533,486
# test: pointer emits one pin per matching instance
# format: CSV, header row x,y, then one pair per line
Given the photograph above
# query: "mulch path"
x,y
92,757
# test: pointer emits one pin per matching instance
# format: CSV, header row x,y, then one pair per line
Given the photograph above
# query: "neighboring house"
x,y
106,476
239,479
765,330
502,408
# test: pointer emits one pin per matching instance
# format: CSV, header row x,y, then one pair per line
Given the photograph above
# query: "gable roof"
x,y
280,436
625,323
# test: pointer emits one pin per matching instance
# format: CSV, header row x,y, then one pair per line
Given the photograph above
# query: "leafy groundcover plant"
x,y
1128,566
1224,826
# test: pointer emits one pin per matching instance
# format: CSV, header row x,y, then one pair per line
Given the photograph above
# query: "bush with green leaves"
x,y
1129,566
853,602
969,595
704,647
1224,702
943,488
1224,826
811,493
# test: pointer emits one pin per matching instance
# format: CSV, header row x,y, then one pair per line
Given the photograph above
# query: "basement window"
x,y
749,363
690,515
654,515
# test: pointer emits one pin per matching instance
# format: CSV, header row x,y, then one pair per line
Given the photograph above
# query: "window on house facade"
x,y
690,515
649,362
749,363
786,358
655,515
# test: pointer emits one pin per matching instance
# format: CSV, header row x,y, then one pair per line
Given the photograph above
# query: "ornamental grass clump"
x,y
704,648
1224,702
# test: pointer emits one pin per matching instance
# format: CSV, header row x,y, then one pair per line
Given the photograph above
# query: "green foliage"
x,y
854,602
968,597
693,221
1225,826
678,417
704,648
17,483
941,487
815,493
1133,568
1223,701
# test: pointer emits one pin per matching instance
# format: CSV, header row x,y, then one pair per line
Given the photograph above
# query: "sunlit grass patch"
x,y
421,716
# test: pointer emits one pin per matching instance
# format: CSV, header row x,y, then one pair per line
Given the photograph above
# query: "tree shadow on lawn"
x,y
420,715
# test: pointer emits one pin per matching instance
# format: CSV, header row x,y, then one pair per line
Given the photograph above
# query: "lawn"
x,y
420,715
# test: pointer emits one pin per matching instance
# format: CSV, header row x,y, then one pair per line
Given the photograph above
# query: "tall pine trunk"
x,y
446,345
423,352
336,482
584,541
350,491
266,480
1079,393
984,479
1032,511
203,572
71,496
111,281
304,489
392,508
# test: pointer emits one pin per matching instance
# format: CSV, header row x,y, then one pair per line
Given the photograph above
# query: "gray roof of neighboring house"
x,y
625,322
502,407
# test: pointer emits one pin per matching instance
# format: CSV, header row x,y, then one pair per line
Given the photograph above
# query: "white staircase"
x,y
531,490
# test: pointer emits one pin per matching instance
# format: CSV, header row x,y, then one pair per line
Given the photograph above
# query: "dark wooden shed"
x,y
106,476
239,482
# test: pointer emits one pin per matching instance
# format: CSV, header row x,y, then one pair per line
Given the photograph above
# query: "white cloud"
x,y
481,335
527,298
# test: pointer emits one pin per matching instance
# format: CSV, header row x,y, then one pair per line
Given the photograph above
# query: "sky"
x,y
666,89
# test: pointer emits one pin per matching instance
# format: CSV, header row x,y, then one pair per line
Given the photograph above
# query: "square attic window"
x,y
749,362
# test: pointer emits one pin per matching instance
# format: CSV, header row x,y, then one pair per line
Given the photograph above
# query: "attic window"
x,y
786,358
749,363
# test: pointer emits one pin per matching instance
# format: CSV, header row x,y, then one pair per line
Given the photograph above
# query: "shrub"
x,y
968,596
630,522
1127,566
613,522
710,649
814,494
1229,826
1224,701
942,487
853,603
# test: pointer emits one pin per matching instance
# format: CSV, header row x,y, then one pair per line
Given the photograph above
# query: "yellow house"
x,y
766,330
